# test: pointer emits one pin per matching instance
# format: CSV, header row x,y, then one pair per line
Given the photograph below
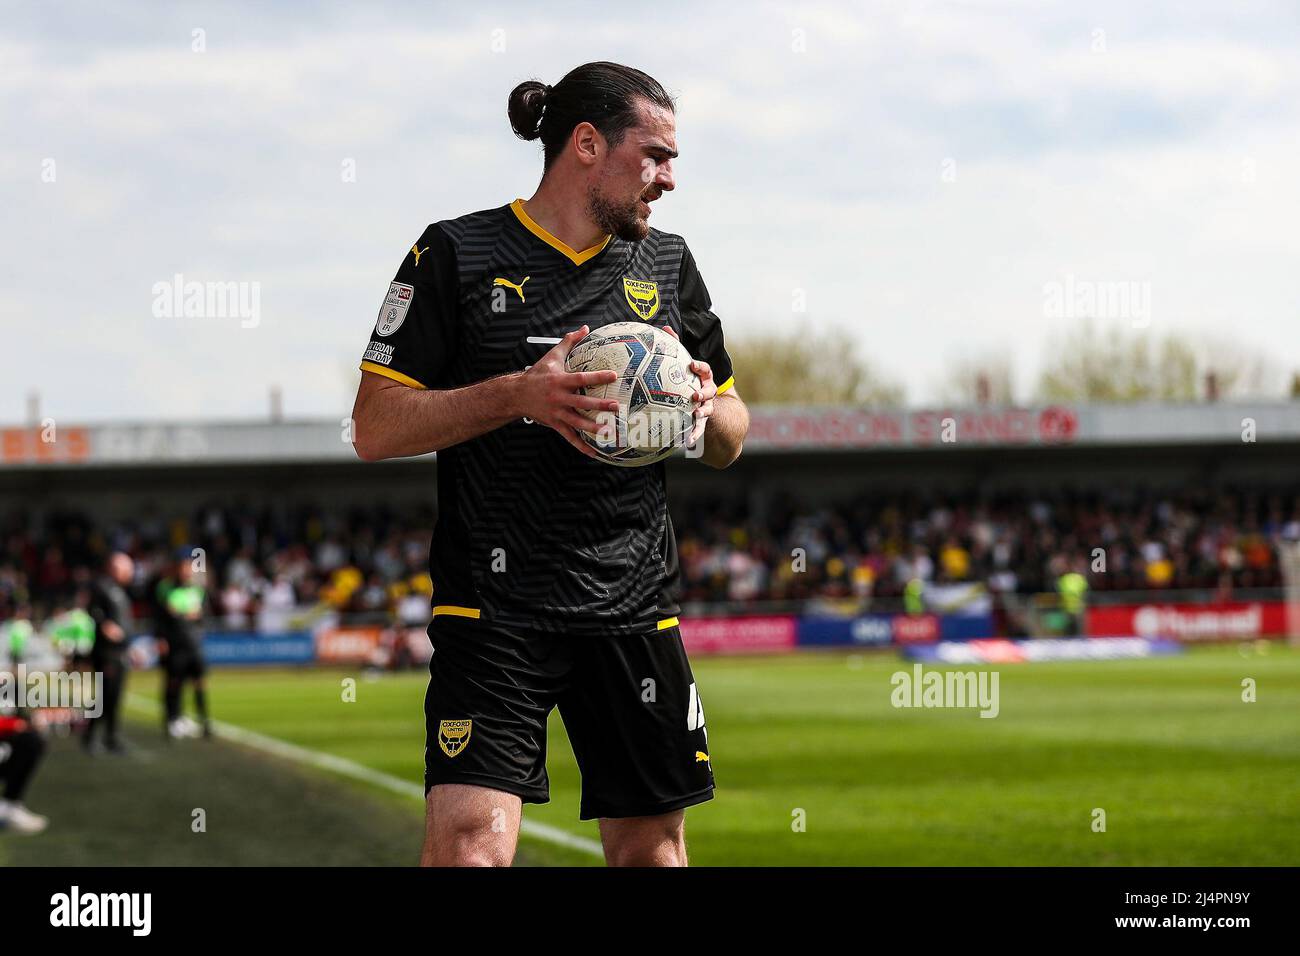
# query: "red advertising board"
x,y
417,641
42,446
866,428
376,646
738,635
347,645
1190,623
916,629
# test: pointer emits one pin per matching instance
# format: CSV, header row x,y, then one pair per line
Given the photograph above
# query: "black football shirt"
x,y
530,533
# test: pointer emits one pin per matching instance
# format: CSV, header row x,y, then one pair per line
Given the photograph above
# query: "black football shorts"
x,y
629,705
187,664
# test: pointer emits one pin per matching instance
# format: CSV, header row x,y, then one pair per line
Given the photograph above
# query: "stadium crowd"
x,y
265,564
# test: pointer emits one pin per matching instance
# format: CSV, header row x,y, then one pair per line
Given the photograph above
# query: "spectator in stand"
x,y
235,602
276,607
264,561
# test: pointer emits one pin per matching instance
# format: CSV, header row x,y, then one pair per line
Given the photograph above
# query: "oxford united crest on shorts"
x,y
453,735
642,296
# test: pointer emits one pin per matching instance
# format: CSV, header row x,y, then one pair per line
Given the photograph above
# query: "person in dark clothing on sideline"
x,y
110,606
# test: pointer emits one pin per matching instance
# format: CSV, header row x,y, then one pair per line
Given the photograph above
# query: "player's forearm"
x,y
400,422
725,434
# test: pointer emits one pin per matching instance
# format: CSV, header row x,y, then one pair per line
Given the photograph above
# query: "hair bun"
x,y
527,102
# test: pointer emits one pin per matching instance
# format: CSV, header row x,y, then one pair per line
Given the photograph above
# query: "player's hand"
x,y
703,396
113,631
548,394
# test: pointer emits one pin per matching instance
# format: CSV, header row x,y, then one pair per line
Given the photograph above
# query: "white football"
x,y
654,387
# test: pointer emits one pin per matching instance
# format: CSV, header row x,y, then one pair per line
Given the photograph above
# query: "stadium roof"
x,y
773,429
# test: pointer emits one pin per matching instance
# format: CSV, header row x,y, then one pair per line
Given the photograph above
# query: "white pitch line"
x,y
349,768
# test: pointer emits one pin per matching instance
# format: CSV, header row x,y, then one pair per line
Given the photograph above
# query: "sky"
x,y
927,176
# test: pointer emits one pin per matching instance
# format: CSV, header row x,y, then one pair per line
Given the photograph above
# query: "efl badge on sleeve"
x,y
393,312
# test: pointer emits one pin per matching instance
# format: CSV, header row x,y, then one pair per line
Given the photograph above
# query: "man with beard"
x,y
555,574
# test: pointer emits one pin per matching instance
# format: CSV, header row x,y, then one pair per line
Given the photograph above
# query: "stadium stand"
x,y
367,560
845,509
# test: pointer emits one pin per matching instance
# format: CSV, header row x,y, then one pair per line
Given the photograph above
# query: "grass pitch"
x,y
1186,772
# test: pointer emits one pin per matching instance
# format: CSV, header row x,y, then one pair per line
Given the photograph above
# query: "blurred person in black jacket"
x,y
110,606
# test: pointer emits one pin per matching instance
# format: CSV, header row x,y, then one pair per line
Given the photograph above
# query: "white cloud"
x,y
1165,159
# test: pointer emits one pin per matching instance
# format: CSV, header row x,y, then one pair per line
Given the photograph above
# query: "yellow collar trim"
x,y
577,258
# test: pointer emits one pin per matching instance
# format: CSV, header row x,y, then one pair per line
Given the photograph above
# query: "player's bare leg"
x,y
470,826
645,841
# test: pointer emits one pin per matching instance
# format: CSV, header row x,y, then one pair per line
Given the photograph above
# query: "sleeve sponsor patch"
x,y
396,305
379,352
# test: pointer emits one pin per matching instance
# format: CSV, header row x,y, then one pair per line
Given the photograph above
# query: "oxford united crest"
x,y
453,735
642,296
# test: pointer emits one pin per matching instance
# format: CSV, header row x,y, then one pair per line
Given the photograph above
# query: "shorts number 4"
x,y
694,711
